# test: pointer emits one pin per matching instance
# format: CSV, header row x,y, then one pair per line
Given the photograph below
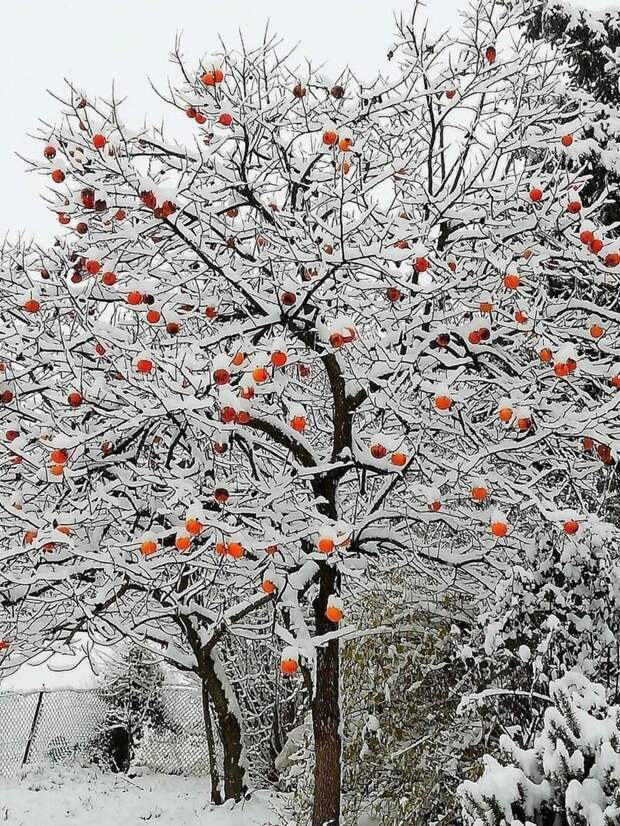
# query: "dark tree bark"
x,y
326,713
229,727
216,795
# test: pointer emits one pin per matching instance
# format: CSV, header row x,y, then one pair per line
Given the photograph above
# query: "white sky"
x,y
93,43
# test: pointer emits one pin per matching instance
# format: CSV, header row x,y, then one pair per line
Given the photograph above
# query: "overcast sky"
x,y
128,41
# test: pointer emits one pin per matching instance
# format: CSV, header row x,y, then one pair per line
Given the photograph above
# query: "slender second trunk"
x,y
326,715
216,795
229,726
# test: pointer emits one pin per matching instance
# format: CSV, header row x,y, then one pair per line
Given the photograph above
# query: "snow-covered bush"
x,y
132,689
569,775
403,743
557,607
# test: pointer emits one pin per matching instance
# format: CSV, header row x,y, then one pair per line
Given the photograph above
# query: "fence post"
x,y
33,727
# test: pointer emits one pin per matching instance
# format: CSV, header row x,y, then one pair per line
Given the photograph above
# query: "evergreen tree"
x,y
133,692
571,774
589,40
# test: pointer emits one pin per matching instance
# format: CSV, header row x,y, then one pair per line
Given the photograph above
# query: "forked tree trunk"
x,y
229,726
326,715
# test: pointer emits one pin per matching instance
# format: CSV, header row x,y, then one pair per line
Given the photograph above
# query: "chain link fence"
x,y
45,727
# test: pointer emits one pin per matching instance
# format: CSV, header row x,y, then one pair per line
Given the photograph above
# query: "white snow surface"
x,y
75,796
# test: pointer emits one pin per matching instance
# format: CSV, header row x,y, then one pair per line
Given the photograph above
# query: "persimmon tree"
x,y
349,326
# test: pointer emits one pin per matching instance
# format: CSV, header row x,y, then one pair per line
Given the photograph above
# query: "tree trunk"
x,y
229,726
326,714
216,795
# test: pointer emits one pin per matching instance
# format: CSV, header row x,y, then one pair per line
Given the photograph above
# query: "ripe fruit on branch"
x,y
490,54
268,586
144,366
182,542
420,264
443,402
109,278
612,259
193,526
545,355
505,414
536,194
279,358
87,196
325,545
134,298
392,294
58,456
499,528
228,414
378,451
571,527
49,152
92,266
58,176
567,140
511,281
235,549
299,91
330,137
31,305
289,665
288,298
208,79
221,377
225,119
148,547
74,399
586,236
334,612
99,141
398,459
153,316
479,493
190,112
221,495
211,312
148,199
596,331
298,423
260,375
574,207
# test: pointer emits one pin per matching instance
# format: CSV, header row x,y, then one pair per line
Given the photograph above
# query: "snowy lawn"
x,y
67,796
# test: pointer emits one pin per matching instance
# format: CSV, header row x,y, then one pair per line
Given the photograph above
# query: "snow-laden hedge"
x,y
570,775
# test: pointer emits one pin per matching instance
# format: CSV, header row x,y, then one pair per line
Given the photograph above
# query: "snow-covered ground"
x,y
74,797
